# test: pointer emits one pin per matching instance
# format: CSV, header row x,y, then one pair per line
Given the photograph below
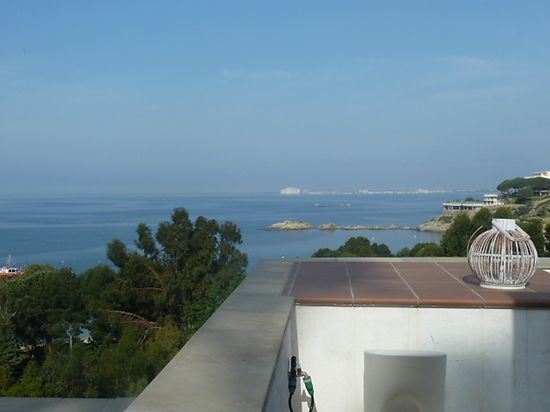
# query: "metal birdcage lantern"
x,y
503,257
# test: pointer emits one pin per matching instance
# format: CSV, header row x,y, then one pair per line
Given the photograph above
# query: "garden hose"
x,y
294,372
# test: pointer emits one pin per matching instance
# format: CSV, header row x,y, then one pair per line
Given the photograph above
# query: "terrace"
x,y
328,312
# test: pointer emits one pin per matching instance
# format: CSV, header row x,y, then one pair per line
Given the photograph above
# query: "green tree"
x,y
356,247
534,229
70,373
182,273
46,305
146,242
524,195
513,187
137,315
482,220
324,252
123,367
547,238
455,240
117,252
426,249
30,383
12,357
404,252
503,213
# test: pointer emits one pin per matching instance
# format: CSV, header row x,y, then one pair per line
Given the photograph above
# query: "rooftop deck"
x,y
405,283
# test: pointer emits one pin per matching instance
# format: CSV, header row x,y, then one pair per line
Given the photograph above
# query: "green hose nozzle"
x,y
309,385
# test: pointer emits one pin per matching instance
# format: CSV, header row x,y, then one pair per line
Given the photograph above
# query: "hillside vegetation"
x,y
108,332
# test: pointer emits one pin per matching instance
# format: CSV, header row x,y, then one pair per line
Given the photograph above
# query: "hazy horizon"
x,y
307,192
171,97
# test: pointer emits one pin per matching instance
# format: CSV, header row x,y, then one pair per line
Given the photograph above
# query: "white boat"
x,y
9,270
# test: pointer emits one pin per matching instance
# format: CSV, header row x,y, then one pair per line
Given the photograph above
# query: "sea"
x,y
73,231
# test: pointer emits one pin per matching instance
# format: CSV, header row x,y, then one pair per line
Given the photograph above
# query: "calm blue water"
x,y
73,231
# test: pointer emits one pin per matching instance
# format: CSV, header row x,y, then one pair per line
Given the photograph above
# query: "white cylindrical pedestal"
x,y
404,381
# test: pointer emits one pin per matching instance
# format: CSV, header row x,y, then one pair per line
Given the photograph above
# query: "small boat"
x,y
11,271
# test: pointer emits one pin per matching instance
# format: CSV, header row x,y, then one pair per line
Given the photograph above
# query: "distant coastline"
x,y
296,191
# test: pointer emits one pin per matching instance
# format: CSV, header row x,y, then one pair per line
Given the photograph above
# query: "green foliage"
x,y
5,380
404,252
482,220
464,230
117,252
524,195
503,213
426,249
137,316
455,240
513,187
547,239
534,228
11,356
70,372
46,305
356,247
30,383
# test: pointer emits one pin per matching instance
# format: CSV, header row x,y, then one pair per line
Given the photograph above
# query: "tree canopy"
x,y
521,186
109,331
356,247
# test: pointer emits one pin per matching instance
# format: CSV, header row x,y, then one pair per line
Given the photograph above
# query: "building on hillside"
x,y
545,174
489,200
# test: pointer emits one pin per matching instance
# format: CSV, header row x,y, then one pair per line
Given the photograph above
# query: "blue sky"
x,y
130,96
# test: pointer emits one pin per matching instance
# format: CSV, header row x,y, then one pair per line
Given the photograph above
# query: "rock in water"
x,y
290,225
328,226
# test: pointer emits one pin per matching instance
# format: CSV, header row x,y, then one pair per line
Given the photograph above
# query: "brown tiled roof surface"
x,y
423,284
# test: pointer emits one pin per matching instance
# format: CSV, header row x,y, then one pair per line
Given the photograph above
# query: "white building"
x,y
492,200
489,200
545,174
291,191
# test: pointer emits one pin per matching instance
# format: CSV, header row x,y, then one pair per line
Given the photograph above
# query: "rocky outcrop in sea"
x,y
298,225
290,225
438,224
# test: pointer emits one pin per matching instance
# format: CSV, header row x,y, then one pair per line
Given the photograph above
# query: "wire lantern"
x,y
503,257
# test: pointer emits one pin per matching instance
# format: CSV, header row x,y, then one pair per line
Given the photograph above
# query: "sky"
x,y
248,96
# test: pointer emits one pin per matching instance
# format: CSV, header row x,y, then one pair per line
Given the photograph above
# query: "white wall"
x,y
497,359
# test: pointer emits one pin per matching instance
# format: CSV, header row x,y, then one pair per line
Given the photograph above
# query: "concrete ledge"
x,y
544,263
228,365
